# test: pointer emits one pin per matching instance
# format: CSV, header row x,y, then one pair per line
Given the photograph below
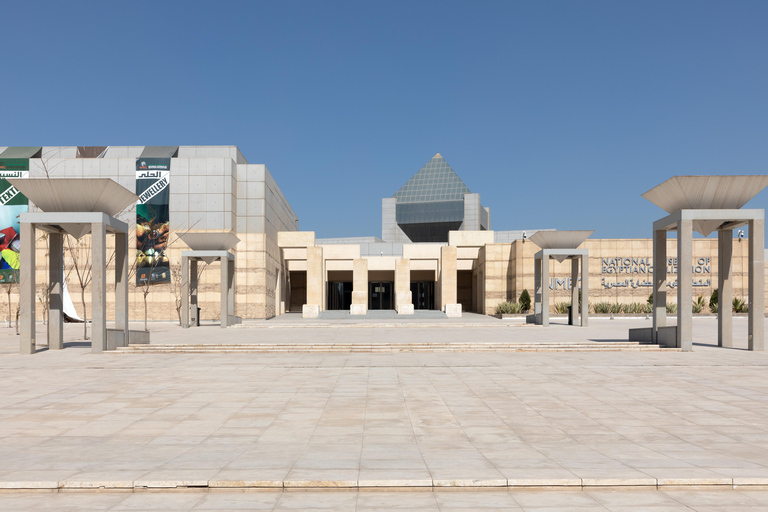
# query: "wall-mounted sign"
x,y
152,220
645,266
12,204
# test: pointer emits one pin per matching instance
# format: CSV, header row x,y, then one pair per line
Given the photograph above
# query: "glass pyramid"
x,y
436,181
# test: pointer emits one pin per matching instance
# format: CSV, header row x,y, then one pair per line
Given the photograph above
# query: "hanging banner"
x,y
12,204
152,226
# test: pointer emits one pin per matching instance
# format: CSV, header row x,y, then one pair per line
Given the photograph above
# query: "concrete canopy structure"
x,y
208,247
76,207
561,245
705,204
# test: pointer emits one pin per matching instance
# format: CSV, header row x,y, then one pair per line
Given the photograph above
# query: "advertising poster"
x,y
152,228
12,204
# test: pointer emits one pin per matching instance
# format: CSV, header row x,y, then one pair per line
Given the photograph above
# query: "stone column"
x,y
194,320
224,292
98,287
359,304
121,286
27,288
684,285
574,289
185,292
315,281
756,284
724,288
448,282
56,296
403,299
659,282
585,290
537,266
545,290
231,290
279,293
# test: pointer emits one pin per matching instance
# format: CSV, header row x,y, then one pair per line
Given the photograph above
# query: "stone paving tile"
x,y
368,501
604,418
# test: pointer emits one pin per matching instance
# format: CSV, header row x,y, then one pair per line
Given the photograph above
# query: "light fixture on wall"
x,y
741,235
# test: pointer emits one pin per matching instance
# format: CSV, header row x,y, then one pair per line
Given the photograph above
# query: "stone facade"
x,y
620,271
212,188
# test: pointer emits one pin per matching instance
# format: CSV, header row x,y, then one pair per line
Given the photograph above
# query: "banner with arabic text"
x,y
152,220
12,204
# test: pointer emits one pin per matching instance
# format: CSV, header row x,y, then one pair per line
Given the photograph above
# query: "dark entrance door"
x,y
380,295
339,295
423,294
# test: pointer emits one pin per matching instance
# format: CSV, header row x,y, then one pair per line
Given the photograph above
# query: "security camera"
x,y
524,236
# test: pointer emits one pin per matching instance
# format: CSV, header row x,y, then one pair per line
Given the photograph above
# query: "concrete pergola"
x,y
208,247
75,206
705,204
561,245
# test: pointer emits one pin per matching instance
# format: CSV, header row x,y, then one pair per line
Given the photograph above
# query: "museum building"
x,y
437,250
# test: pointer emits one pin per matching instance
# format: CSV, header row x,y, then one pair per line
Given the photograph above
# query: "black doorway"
x,y
339,295
423,294
380,295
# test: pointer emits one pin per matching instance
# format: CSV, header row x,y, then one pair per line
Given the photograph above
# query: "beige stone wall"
x,y
212,189
509,268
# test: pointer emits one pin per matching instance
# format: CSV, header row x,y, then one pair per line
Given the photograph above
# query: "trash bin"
x,y
570,315
197,319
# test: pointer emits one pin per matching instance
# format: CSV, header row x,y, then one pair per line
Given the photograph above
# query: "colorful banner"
x,y
12,204
152,226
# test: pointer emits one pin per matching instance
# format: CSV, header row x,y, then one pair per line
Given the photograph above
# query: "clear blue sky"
x,y
560,114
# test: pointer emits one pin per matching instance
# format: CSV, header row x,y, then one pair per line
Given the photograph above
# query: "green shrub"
x,y
671,307
698,304
561,308
525,300
634,308
508,308
739,306
602,308
648,308
713,308
616,308
650,299
713,301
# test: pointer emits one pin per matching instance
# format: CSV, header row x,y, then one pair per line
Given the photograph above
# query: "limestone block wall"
x,y
619,271
213,188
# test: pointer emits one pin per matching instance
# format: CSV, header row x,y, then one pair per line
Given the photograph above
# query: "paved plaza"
x,y
436,431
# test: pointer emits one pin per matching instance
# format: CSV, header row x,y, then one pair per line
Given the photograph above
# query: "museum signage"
x,y
153,177
630,268
12,204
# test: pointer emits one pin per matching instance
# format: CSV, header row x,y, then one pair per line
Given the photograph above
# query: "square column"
x,y
574,290
448,282
121,285
537,290
403,299
359,304
756,284
27,288
184,292
659,281
194,320
224,293
725,288
315,283
541,291
98,287
231,290
684,285
585,290
55,288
